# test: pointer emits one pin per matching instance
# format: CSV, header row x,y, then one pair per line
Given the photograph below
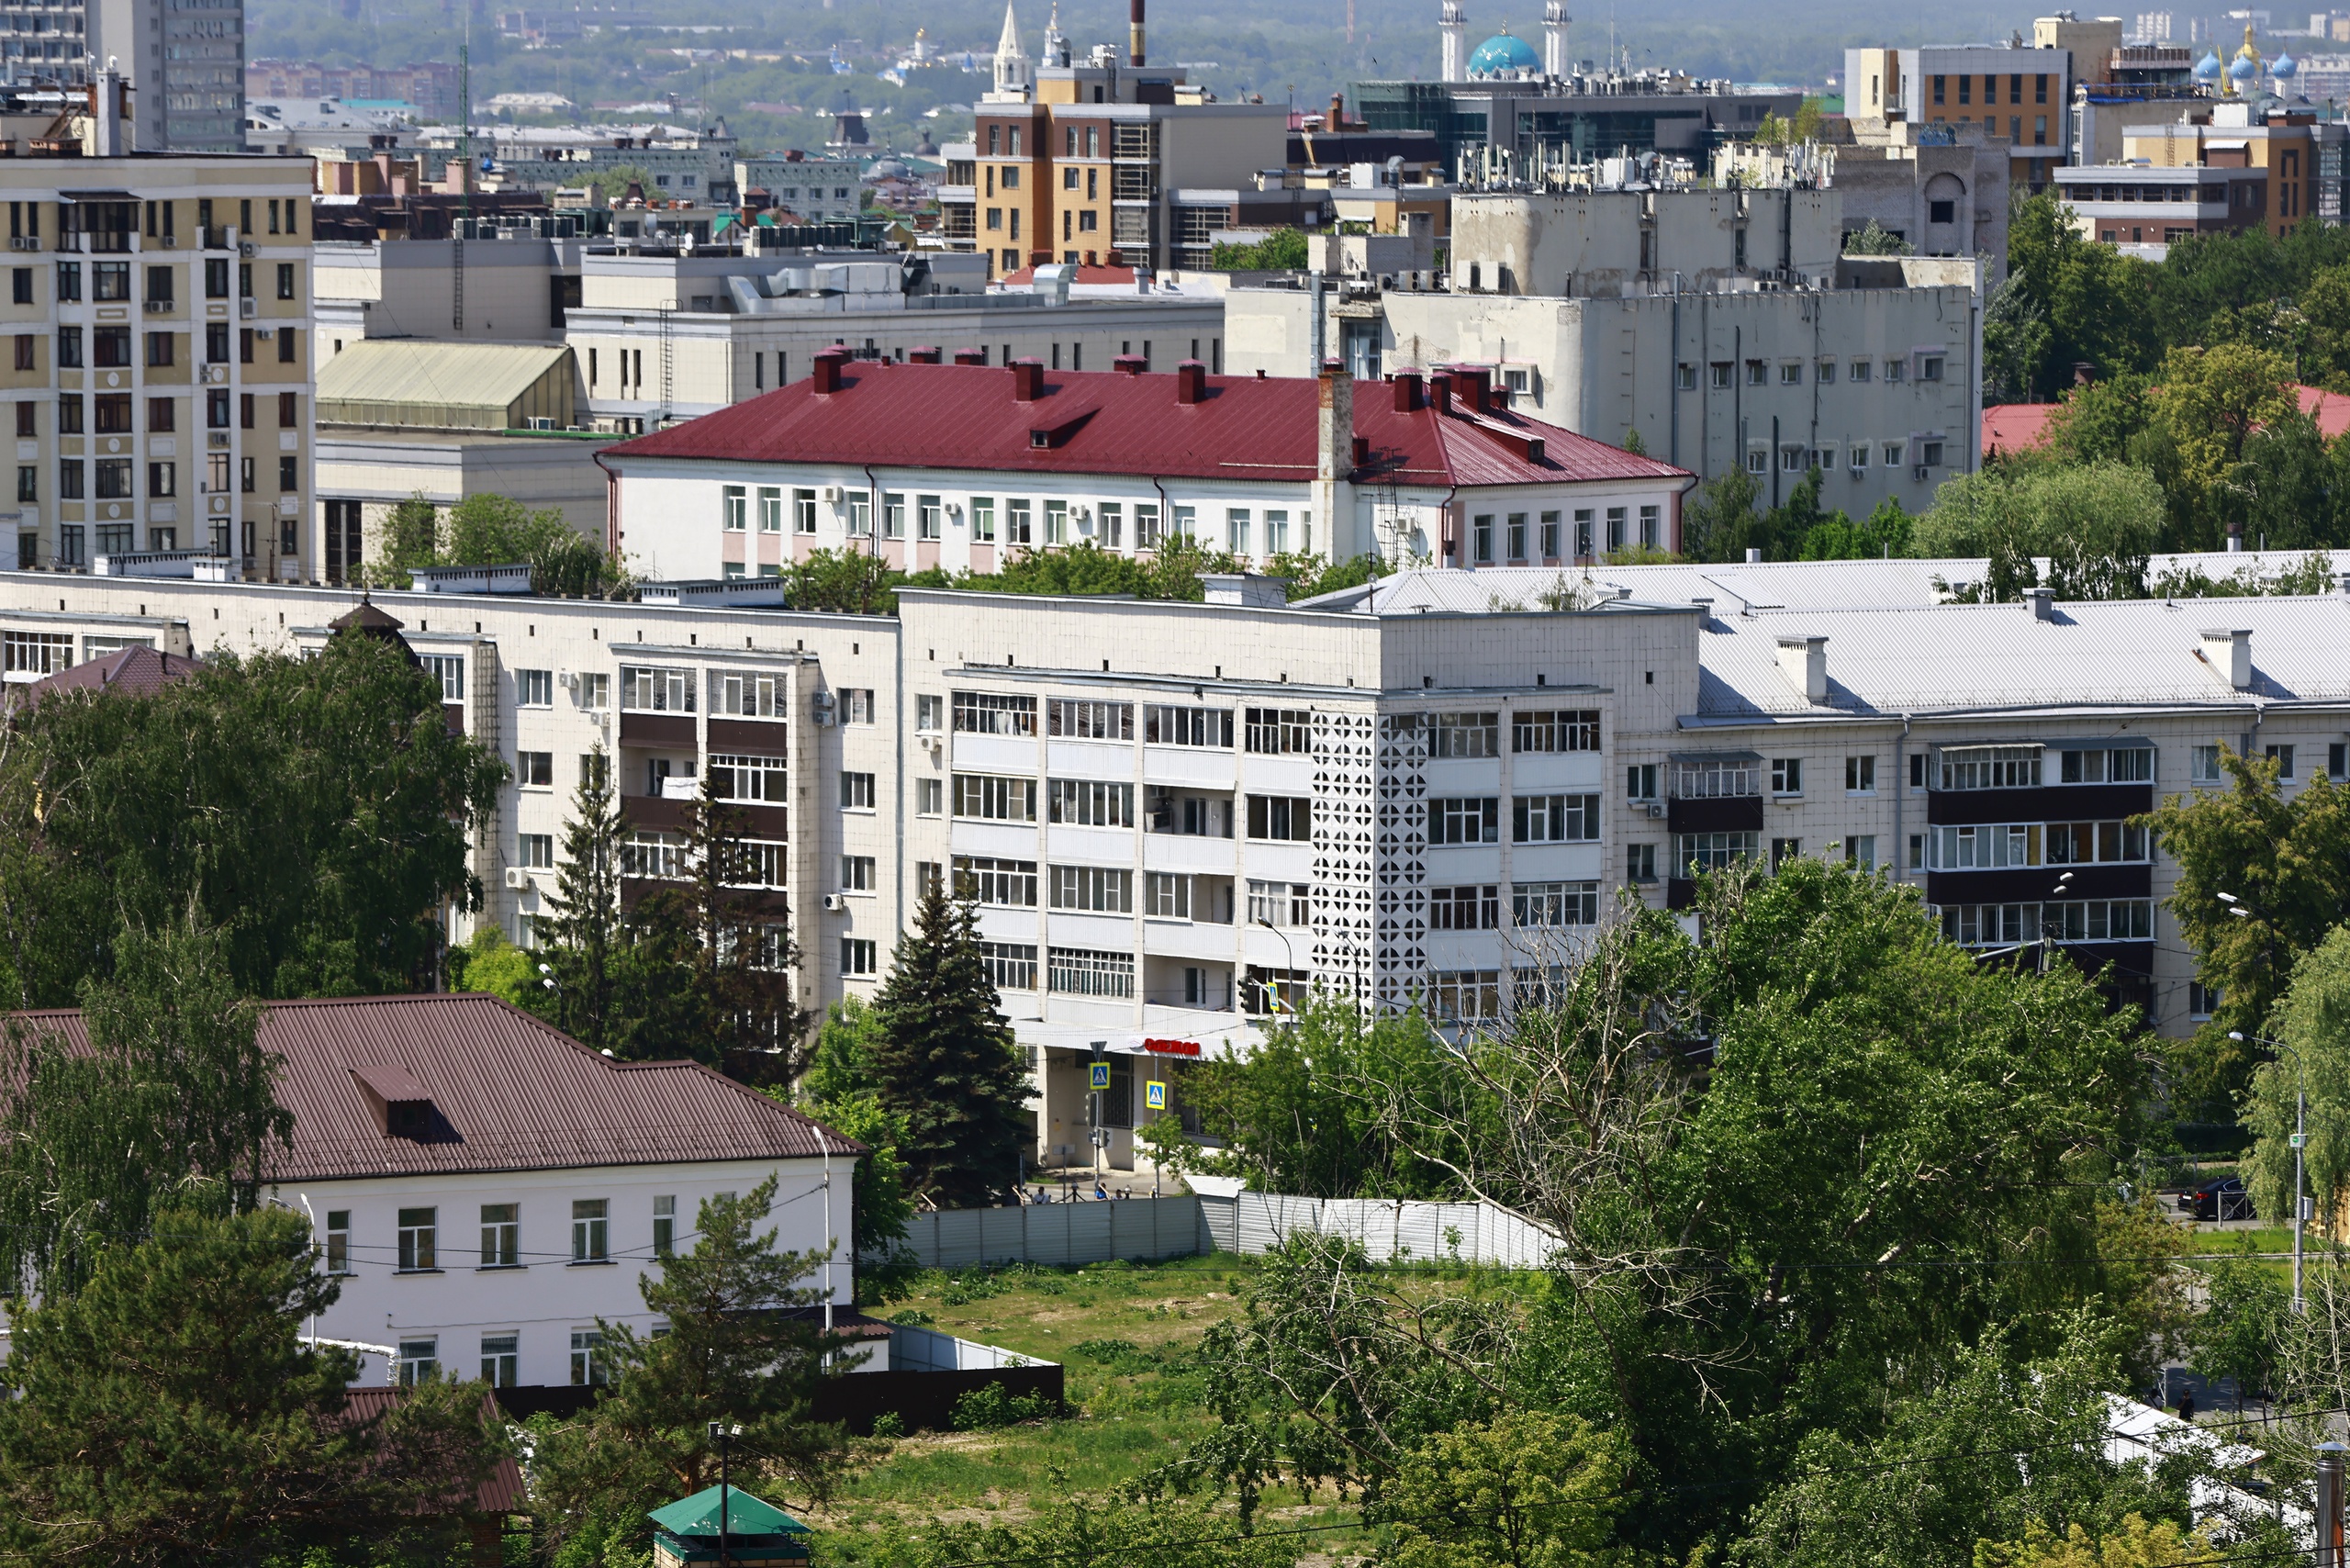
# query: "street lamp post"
x,y
2300,1138
723,1433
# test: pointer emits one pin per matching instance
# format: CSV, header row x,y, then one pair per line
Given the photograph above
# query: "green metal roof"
x,y
446,385
745,1514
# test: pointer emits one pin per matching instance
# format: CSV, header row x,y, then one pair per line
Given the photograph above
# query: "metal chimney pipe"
x,y
2329,1505
1134,32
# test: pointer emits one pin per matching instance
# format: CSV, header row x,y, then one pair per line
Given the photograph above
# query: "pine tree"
x,y
583,935
945,1060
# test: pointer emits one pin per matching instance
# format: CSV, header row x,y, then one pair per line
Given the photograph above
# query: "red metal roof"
x,y
509,1093
2019,427
137,670
965,416
500,1492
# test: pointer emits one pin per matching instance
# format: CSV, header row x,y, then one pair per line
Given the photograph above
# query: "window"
x,y
1287,817
645,689
1784,850
2202,1001
747,696
534,769
1791,373
534,688
1462,996
110,347
37,653
1554,819
1990,768
420,1361
1860,849
1099,889
930,797
1074,720
2133,764
2282,756
588,1358
418,1228
1278,732
763,864
159,348
1860,776
1893,371
1016,523
1640,863
1640,781
1463,734
339,1241
1166,895
857,874
2206,769
1550,536
69,349
285,280
536,850
1469,908
501,1235
1713,851
928,511
1286,905
1010,884
1470,820
803,510
994,798
741,778
1188,726
1538,905
983,519
501,1359
1715,779
1568,729
893,515
28,483
856,704
1684,377
857,791
661,856
2086,844
1786,776
859,956
994,713
1721,369
1758,373
1081,971
734,506
1987,846
860,513
2337,761
1086,802
590,1230
1012,966
2089,920
594,691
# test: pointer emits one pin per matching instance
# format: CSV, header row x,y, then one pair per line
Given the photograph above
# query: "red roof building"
x,y
961,464
486,1187
2021,427
138,670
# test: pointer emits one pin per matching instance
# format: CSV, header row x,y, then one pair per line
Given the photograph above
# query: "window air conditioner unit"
x,y
264,334
245,249
833,495
834,902
24,243
517,878
1919,472
823,705
168,242
1657,807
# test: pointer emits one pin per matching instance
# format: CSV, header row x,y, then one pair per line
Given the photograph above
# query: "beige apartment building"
x,y
160,311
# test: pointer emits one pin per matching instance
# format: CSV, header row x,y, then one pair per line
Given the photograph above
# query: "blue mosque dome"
x,y
2207,68
1502,54
2286,68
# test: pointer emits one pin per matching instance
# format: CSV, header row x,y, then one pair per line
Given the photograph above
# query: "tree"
x,y
1282,251
582,934
837,1089
2136,1544
2202,418
1885,532
945,1060
2242,1328
2310,1019
1876,240
314,811
411,538
492,964
847,580
168,1414
738,1348
1526,1490
1154,1532
2067,300
2096,526
2285,864
1720,522
172,1104
2099,423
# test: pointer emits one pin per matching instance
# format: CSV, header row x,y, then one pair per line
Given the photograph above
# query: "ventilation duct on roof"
x,y
1804,661
2229,653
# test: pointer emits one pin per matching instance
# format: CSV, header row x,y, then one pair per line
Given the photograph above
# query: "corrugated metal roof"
x,y
965,416
1994,657
469,385
509,1093
142,671
500,1492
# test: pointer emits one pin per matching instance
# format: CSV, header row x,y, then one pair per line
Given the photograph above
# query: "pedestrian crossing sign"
x,y
1153,1096
1101,1075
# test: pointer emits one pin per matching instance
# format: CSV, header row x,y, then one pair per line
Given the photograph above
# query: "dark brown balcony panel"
x,y
671,731
754,737
2048,804
1681,893
1721,814
655,813
2037,884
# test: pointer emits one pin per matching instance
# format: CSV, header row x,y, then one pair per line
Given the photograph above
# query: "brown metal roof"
x,y
509,1093
139,670
500,1492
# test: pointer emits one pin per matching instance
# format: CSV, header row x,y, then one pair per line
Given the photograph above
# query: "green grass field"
x,y
1124,1332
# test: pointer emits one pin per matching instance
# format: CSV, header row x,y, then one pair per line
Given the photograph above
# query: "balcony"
x,y
668,731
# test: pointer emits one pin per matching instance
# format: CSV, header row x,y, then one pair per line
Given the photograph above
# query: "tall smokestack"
x,y
1134,30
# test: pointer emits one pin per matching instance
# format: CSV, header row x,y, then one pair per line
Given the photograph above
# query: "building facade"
x,y
1178,817
185,62
161,309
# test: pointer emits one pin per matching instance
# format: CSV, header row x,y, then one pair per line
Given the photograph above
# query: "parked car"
x,y
2222,1199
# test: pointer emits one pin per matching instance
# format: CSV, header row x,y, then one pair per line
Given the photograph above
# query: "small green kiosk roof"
x,y
745,1514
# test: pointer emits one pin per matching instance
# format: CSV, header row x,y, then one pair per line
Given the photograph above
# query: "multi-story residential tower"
x,y
160,308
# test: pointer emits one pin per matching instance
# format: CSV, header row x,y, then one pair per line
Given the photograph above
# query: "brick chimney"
x,y
828,369
1190,382
925,356
971,356
1027,380
1334,422
1407,392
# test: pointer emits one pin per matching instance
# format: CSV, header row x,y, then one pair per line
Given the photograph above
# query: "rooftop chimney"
x,y
1334,422
2229,653
105,112
827,374
1441,392
2043,601
1804,661
1753,556
1407,392
1473,382
971,356
1027,380
1132,363
1134,33
1190,381
1338,120
923,355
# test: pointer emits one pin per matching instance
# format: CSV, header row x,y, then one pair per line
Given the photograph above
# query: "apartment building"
x,y
185,62
485,1192
815,189
968,466
2022,95
1177,816
161,312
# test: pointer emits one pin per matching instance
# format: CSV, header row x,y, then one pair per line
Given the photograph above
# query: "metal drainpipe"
x,y
1672,387
1900,788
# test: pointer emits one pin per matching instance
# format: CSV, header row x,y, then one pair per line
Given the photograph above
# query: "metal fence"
x,y
1250,1223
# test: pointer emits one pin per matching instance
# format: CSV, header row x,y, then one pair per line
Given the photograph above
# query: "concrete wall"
x,y
1592,242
